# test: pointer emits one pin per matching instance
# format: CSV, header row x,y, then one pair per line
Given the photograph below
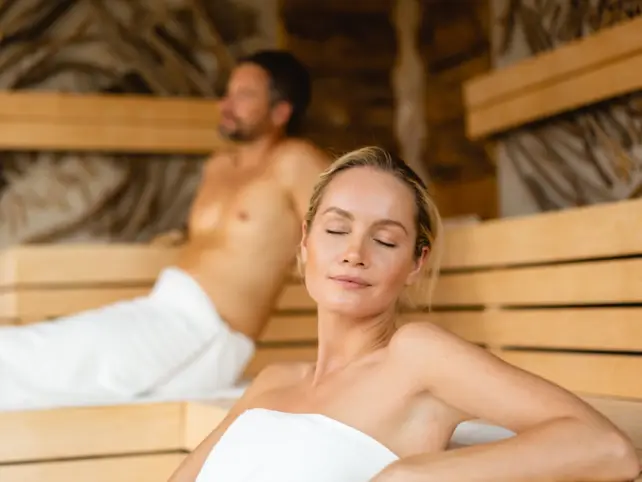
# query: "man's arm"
x,y
301,163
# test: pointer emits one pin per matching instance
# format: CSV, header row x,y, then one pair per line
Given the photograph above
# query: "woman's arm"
x,y
559,437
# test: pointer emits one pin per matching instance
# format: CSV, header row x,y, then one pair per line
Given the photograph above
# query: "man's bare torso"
x,y
242,239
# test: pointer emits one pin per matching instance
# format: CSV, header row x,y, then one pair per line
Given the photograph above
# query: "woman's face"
x,y
359,252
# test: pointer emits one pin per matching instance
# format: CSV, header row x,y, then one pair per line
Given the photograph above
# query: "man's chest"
x,y
229,196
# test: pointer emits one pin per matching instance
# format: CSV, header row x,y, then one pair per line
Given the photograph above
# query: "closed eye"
x,y
383,243
330,231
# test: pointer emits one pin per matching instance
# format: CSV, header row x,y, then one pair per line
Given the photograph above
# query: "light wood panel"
x,y
597,282
114,123
605,82
83,263
596,68
80,136
593,374
617,281
293,328
139,468
89,431
575,56
599,329
602,230
124,109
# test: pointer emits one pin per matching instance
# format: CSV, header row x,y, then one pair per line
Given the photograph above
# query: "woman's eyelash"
x,y
388,245
383,243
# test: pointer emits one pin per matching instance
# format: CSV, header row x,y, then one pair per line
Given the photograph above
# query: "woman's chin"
x,y
348,308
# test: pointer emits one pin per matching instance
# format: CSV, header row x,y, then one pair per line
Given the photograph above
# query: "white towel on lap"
x,y
172,343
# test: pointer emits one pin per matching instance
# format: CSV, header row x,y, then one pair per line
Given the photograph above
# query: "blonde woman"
x,y
381,403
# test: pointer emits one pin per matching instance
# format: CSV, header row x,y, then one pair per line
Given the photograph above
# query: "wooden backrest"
x,y
558,294
31,120
601,66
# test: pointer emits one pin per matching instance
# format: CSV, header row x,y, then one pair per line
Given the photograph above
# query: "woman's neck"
x,y
343,341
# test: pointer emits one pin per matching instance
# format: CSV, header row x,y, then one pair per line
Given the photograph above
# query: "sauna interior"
x,y
524,117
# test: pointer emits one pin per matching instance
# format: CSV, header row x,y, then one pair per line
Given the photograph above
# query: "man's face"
x,y
246,108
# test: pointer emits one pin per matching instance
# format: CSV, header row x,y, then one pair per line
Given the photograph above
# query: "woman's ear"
x,y
417,271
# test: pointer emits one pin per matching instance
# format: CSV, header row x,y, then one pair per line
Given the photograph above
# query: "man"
x,y
196,330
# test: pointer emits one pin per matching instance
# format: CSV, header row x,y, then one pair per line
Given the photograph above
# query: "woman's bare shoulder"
x,y
279,375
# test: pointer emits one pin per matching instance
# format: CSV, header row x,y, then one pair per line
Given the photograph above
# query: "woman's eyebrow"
x,y
348,215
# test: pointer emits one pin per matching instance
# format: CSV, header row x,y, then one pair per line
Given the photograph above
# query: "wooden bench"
x,y
602,66
557,294
55,121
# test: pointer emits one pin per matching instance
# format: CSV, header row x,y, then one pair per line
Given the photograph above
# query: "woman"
x,y
381,403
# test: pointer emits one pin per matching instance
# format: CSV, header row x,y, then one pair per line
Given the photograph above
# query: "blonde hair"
x,y
428,219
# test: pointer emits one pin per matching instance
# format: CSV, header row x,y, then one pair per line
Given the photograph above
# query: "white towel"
x,y
172,343
268,446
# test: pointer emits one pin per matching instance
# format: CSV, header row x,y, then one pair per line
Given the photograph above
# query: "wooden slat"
x,y
591,374
583,283
291,329
599,329
115,123
200,419
580,55
89,431
605,82
83,264
268,356
140,468
40,136
296,297
107,108
41,304
514,100
569,234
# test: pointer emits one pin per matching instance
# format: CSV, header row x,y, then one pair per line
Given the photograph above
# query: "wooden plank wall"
x,y
112,123
604,65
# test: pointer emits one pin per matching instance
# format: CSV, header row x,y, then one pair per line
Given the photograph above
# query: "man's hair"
x,y
289,82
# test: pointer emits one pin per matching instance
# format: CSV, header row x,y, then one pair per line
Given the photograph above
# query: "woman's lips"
x,y
351,282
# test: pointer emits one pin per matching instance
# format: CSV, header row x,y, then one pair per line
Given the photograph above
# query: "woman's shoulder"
x,y
421,334
278,375
421,342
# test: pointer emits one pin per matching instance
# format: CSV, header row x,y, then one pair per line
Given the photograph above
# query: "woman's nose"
x,y
354,254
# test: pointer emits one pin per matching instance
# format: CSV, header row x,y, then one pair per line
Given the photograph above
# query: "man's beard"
x,y
238,134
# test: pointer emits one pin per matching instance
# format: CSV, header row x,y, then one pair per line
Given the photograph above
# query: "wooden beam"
x,y
592,283
597,231
589,329
591,374
114,123
136,468
602,66
89,431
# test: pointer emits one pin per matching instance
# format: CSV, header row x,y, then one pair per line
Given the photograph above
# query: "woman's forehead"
x,y
367,191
